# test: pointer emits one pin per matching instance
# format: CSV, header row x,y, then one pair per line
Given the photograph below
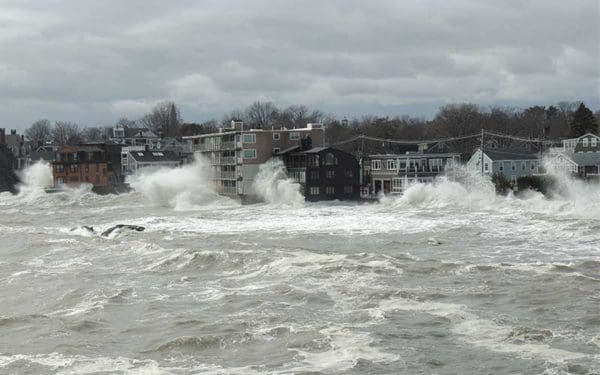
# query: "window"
x,y
250,153
376,165
314,175
330,159
585,142
486,167
594,142
59,168
60,180
402,165
348,189
276,150
294,136
314,190
330,174
513,166
349,174
396,185
329,190
523,165
390,164
249,138
276,136
140,154
501,168
435,164
73,167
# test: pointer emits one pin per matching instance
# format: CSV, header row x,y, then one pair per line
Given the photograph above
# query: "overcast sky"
x,y
95,61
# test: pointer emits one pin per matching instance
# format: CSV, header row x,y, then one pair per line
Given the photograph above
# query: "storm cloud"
x,y
93,62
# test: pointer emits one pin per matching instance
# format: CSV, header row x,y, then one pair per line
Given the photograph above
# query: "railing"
x,y
228,145
229,190
228,160
228,175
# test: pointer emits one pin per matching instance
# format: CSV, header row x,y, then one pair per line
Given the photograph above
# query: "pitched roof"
x,y
585,158
315,150
510,155
154,156
287,150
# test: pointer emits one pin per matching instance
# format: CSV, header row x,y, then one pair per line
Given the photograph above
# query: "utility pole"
x,y
481,148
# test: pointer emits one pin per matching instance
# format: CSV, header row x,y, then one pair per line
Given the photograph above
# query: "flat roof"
x,y
230,131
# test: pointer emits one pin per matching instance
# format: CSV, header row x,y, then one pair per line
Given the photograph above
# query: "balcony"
x,y
227,175
227,146
229,160
230,190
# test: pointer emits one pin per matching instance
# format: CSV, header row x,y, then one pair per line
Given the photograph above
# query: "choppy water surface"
x,y
445,280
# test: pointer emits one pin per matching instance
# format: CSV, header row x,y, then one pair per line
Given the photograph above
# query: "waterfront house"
x,y
130,136
85,164
578,156
324,173
511,164
393,173
138,160
236,152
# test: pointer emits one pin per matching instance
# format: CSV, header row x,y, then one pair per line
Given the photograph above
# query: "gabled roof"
x,y
288,150
154,156
585,158
506,154
316,150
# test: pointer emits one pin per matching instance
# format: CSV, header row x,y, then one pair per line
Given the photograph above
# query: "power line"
x,y
439,140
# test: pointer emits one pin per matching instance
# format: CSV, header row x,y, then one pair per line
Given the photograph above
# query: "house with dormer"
x,y
578,156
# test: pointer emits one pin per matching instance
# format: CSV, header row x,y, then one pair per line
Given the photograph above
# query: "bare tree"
x,y
163,120
261,114
66,133
297,116
93,134
39,132
126,123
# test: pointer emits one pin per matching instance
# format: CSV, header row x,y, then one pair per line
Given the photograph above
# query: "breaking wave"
x,y
183,188
36,177
569,196
273,186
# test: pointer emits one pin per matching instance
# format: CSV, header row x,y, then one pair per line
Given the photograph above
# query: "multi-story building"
x,y
236,152
324,173
393,173
87,164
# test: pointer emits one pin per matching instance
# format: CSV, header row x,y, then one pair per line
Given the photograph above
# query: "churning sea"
x,y
447,279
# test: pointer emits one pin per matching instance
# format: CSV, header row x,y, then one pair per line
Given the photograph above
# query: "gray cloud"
x,y
94,62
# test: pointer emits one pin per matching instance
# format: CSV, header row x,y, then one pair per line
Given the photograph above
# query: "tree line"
x,y
562,120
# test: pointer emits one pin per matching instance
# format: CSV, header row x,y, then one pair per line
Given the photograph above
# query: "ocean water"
x,y
448,279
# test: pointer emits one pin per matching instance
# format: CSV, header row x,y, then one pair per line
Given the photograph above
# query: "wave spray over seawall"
x,y
36,177
182,188
274,186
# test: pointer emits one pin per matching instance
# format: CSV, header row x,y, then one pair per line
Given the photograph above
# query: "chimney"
x,y
2,136
306,143
13,131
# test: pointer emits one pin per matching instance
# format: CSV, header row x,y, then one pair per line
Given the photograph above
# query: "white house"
x,y
140,159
